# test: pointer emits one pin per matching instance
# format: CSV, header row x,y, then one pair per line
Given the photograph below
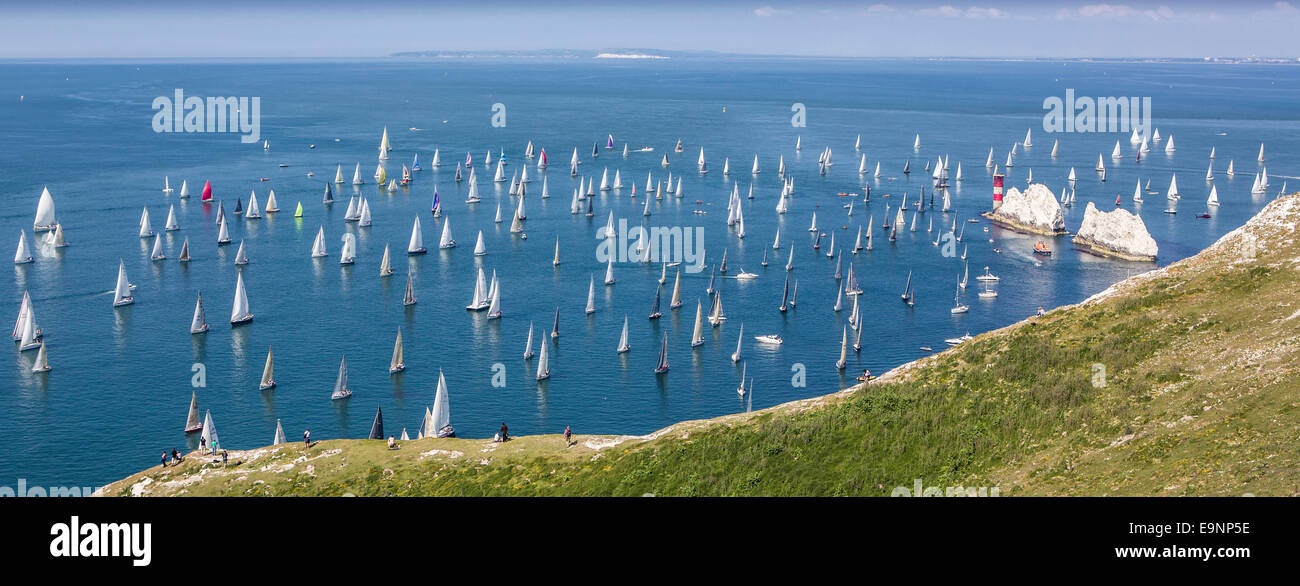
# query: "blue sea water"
x,y
122,377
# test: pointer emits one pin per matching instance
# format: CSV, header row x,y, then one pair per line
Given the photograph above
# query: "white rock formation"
x,y
1035,210
1116,233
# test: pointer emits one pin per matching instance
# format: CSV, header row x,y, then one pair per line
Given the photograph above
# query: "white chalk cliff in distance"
x,y
1034,210
1119,234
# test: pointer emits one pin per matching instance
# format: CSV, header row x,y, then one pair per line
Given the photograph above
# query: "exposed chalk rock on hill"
x,y
1034,210
1118,234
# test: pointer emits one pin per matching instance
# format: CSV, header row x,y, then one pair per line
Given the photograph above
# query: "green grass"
x,y
1199,397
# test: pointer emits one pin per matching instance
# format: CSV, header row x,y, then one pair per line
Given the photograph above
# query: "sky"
x,y
836,28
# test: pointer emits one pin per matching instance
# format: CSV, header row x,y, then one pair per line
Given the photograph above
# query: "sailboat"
x,y
408,297
446,241
609,272
185,189
223,233
318,245
185,251
716,315
543,362
591,296
844,349
44,212
206,194
438,424
24,255
341,390
279,437
356,175
386,265
268,373
56,239
253,212
193,422
528,344
416,245
1214,197
480,248
157,254
958,306
172,224
239,313
348,253
208,436
29,340
623,344
697,337
145,229
397,364
122,293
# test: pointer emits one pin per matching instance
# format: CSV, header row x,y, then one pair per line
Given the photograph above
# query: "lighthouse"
x,y
997,191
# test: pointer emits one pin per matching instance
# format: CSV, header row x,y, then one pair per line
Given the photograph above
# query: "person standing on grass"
x,y
505,432
306,438
164,459
568,435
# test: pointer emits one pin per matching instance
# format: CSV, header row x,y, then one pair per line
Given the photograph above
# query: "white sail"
x,y
348,252
397,363
356,176
122,293
440,416
1115,154
253,212
363,218
239,309
697,336
591,295
609,272
185,189
23,255
223,233
341,390
446,241
158,252
209,435
44,212
318,245
543,363
172,223
1214,197
268,379
494,302
145,229
1169,146
480,248
198,324
416,245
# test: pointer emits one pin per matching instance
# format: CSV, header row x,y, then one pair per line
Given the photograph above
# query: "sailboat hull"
x,y
396,369
266,387
201,330
241,320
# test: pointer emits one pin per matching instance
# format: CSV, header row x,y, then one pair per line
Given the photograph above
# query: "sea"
x,y
122,378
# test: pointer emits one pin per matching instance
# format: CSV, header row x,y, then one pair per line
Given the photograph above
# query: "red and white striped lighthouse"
x,y
997,191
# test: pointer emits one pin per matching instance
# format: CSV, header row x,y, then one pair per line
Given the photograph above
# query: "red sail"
x,y
207,191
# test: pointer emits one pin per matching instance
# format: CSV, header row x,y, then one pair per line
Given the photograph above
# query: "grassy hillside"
x,y
1199,396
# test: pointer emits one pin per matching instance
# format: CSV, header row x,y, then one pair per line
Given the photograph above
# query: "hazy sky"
x,y
330,28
